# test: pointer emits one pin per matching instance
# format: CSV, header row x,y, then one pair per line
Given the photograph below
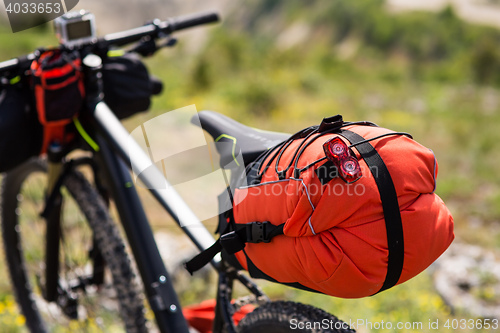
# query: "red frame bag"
x,y
59,93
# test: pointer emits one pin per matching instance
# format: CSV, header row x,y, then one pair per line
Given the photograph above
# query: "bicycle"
x,y
99,289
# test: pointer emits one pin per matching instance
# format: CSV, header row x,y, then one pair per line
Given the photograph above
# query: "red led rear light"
x,y
346,162
335,149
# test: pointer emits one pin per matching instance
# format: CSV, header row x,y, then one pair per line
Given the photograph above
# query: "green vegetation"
x,y
12,46
432,75
429,74
412,303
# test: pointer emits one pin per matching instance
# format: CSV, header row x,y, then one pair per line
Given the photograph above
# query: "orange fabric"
x,y
201,316
334,235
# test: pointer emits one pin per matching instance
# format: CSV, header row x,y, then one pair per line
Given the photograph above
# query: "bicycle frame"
x,y
117,155
114,154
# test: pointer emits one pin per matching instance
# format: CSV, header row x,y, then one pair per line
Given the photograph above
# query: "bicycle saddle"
x,y
236,138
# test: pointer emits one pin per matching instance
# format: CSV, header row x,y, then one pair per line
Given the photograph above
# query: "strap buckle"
x,y
257,232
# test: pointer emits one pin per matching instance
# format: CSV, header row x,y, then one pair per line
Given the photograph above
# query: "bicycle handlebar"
x,y
189,21
167,27
130,36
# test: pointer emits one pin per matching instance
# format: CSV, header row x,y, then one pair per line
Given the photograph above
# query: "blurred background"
x,y
430,68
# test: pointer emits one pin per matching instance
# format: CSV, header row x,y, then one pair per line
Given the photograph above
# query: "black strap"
x,y
392,214
327,172
55,80
203,258
331,123
235,241
259,232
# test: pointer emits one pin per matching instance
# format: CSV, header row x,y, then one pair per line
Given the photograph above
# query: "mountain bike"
x,y
67,259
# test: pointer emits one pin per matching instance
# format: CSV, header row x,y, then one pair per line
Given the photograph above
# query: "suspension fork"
x,y
52,215
57,171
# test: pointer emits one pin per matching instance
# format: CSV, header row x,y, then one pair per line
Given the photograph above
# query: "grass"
x,y
413,302
11,321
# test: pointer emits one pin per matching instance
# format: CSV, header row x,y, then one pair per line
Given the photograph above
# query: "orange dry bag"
x,y
345,209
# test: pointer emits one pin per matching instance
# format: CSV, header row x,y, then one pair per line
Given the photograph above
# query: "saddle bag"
x,y
345,209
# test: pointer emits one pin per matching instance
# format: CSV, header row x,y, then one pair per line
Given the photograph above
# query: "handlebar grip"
x,y
168,26
188,21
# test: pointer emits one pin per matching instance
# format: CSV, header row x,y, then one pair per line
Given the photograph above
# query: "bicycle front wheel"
x,y
86,299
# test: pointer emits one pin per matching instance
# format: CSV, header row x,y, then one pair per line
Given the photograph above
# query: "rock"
x,y
467,277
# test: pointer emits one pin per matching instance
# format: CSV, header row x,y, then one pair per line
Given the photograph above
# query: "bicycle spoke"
x,y
94,305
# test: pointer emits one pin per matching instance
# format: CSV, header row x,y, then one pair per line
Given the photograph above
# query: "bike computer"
x,y
75,28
